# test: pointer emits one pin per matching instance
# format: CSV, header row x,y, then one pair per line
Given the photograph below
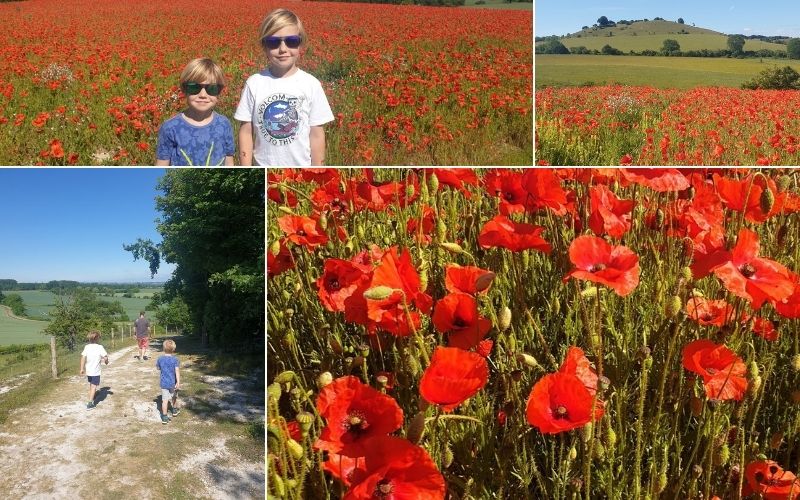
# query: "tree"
x,y
671,47
77,312
603,21
551,46
608,50
212,227
680,20
15,303
793,48
175,315
785,78
736,44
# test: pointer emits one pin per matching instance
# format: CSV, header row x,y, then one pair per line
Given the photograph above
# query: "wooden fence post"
x,y
112,336
53,365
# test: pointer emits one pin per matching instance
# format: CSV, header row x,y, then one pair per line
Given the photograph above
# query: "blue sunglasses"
x,y
273,42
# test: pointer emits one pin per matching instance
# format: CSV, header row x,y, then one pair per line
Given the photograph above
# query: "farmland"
x,y
544,333
20,331
91,84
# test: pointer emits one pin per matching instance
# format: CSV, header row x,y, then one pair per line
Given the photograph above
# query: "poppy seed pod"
x,y
452,248
448,457
673,306
286,210
416,428
275,248
433,183
305,420
573,453
767,200
504,318
324,379
722,454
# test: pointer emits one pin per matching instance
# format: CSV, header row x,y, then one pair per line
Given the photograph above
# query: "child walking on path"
x,y
93,353
169,365
283,105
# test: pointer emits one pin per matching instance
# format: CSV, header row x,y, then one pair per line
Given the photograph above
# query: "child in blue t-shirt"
x,y
169,365
198,136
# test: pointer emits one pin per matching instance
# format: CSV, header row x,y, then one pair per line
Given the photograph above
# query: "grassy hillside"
x,y
20,331
662,72
651,35
38,303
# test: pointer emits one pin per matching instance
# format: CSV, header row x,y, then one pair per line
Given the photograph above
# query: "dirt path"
x,y
10,314
56,448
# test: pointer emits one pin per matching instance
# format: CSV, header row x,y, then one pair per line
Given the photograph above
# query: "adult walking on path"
x,y
142,326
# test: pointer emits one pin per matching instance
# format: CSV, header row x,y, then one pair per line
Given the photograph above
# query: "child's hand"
x,y
82,371
106,360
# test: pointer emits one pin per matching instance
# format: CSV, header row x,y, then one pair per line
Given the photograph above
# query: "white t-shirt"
x,y
94,354
282,111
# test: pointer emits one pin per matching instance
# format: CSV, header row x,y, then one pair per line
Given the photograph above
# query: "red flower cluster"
x,y
597,261
722,371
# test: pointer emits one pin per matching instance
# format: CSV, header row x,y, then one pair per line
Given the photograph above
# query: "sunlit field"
x,y
91,84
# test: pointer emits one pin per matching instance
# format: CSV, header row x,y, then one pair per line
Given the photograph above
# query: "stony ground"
x,y
56,448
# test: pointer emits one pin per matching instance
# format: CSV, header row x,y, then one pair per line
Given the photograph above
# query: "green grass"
x,y
662,72
499,4
20,331
39,303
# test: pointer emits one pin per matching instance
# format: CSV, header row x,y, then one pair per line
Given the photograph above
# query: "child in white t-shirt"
x,y
282,106
93,353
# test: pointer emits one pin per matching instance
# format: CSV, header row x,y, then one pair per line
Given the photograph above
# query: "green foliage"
x,y
175,315
680,20
79,311
551,46
608,50
793,48
670,47
785,78
15,303
736,44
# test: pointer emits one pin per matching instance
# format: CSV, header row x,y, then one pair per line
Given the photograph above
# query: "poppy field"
x,y
91,84
537,333
620,125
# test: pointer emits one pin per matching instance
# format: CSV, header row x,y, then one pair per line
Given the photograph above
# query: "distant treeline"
x,y
11,285
553,45
440,3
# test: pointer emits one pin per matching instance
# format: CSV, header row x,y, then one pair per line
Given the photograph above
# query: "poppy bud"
x,y
767,200
289,340
423,193
512,342
295,449
528,360
796,362
286,295
324,379
589,292
504,319
433,183
412,364
673,306
416,428
660,484
285,377
784,182
447,460
276,483
379,292
573,453
686,273
275,248
286,210
289,312
349,246
360,231
452,248
274,391
387,241
305,420
409,191
722,454
659,218
526,259
323,221
611,438
599,450
587,432
423,279
776,440
754,372
556,306
696,405
755,386
441,229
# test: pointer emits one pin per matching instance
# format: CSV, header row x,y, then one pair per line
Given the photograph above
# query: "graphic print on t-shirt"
x,y
279,117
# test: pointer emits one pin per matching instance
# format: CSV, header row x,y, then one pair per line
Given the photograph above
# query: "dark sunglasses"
x,y
273,42
193,88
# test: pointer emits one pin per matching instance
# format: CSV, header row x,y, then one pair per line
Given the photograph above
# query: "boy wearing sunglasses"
x,y
282,108
198,136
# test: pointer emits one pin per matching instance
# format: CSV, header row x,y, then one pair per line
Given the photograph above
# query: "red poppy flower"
x,y
287,197
507,186
723,372
560,402
467,279
763,327
398,274
484,347
504,233
751,277
595,260
302,230
576,363
457,314
339,280
422,228
544,191
355,412
341,467
453,376
609,214
744,195
790,306
456,178
709,312
276,264
331,197
657,179
767,478
394,468
319,175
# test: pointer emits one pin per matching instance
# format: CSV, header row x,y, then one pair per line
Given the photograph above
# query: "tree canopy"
x,y
77,312
551,46
736,44
670,47
793,48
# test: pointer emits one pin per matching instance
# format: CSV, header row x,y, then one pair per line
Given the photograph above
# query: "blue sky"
x,y
70,224
748,18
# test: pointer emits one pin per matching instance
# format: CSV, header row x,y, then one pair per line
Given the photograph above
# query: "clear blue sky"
x,y
70,224
771,18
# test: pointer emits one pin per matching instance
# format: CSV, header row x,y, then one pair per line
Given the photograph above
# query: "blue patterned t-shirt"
x,y
167,365
185,144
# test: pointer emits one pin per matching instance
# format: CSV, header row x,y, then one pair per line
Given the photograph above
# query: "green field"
x,y
38,303
20,331
662,72
499,4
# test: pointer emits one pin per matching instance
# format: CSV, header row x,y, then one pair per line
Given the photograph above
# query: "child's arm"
x,y
228,161
83,364
317,145
162,163
177,377
246,144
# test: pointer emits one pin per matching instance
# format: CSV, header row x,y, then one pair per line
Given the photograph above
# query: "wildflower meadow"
x,y
537,333
91,84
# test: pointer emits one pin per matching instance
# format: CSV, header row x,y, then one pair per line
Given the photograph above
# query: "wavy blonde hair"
x,y
279,19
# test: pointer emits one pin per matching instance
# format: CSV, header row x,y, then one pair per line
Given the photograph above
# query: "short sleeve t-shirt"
x,y
182,143
282,111
167,365
142,325
94,355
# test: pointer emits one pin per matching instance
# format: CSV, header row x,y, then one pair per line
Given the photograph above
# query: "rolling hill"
x,y
650,35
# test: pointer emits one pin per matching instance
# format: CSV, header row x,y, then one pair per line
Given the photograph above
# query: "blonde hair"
x,y
279,19
93,337
201,69
169,346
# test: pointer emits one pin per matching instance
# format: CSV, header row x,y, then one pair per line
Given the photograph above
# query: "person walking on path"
x,y
91,357
170,380
142,326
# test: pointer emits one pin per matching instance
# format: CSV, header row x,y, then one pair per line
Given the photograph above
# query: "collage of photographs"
x,y
399,249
